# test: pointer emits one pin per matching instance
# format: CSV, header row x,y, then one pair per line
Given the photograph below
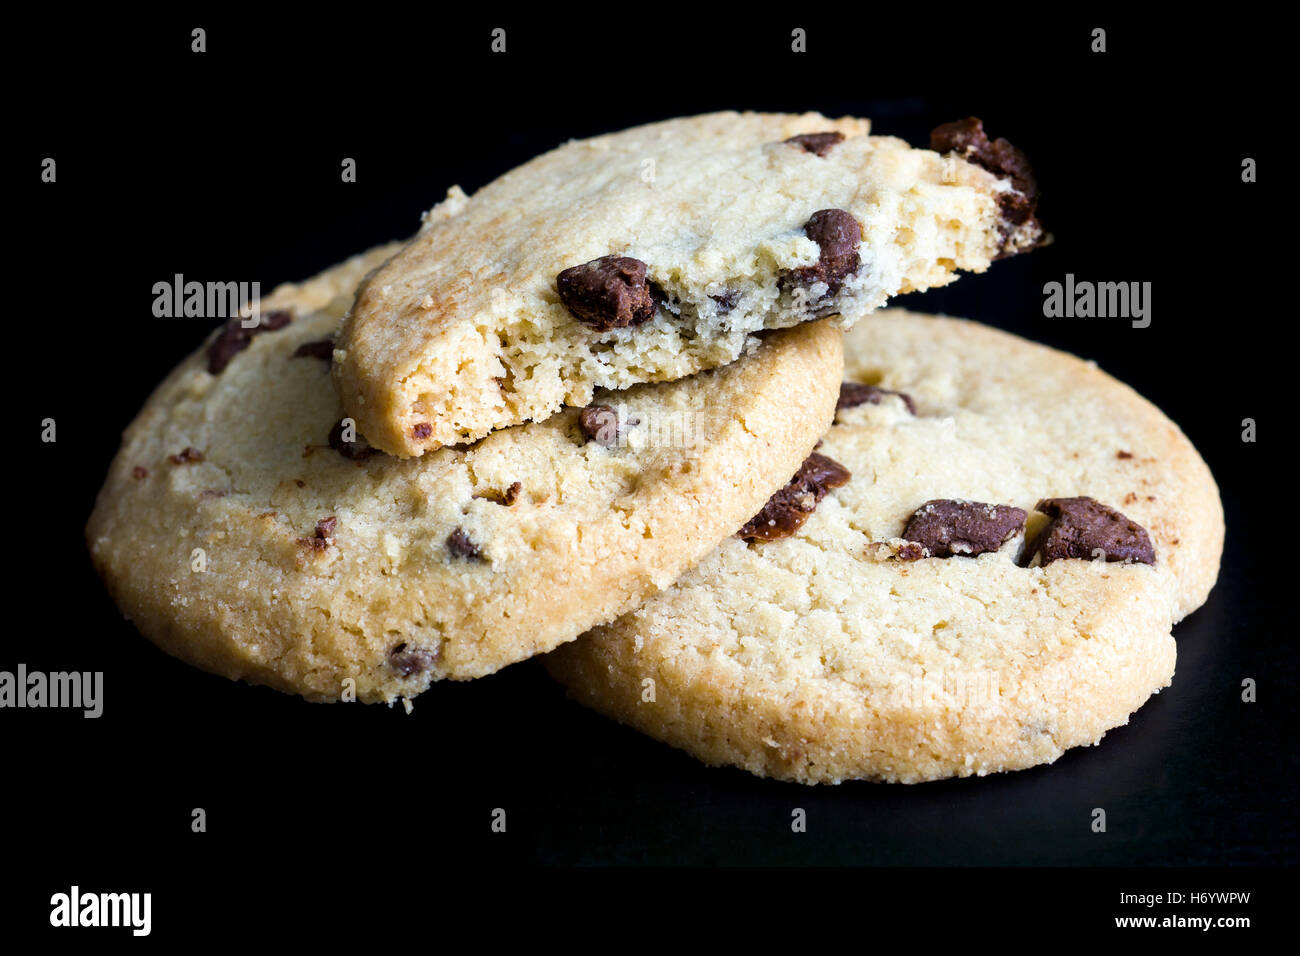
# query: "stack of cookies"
x,y
625,407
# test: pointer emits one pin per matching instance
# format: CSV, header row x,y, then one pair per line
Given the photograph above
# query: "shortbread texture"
x,y
821,657
237,539
464,331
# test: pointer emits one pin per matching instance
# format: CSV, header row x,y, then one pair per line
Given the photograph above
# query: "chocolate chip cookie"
x,y
248,527
990,577
650,254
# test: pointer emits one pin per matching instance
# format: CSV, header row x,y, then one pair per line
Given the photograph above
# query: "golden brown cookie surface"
x,y
245,530
912,628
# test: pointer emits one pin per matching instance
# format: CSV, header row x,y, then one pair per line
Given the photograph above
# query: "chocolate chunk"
x,y
962,136
608,293
507,497
726,300
355,450
408,660
946,528
187,456
852,394
234,338
1016,210
967,139
911,551
321,349
599,423
323,537
461,545
421,430
1123,455
839,235
819,144
139,471
226,346
1087,529
895,550
787,510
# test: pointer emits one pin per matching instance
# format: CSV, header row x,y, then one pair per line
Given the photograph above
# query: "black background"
x,y
226,165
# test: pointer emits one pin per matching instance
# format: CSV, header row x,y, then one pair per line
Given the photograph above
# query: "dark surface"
x,y
226,166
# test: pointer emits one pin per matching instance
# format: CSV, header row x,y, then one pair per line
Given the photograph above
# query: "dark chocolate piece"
x,y
349,449
819,144
787,510
234,338
853,394
947,528
507,497
461,545
839,236
1086,529
967,139
608,293
321,348
599,423
408,660
187,456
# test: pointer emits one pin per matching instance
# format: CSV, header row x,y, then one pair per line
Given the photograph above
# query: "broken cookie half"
x,y
653,253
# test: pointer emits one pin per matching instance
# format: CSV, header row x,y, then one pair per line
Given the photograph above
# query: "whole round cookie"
x,y
1002,540
652,253
246,527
